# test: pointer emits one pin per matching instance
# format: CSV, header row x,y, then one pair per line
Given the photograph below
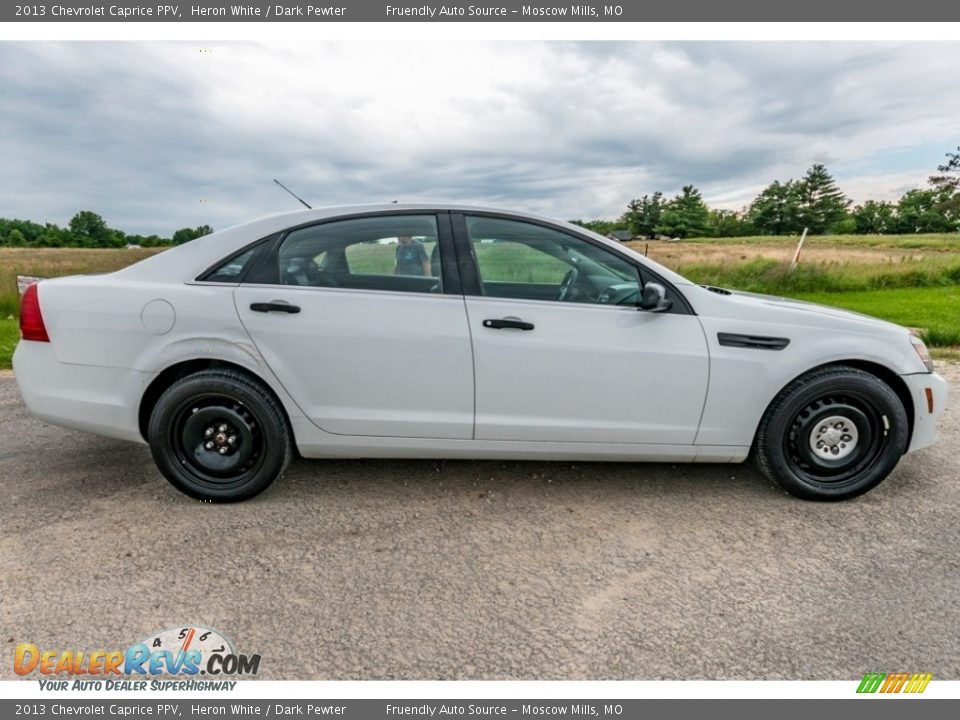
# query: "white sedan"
x,y
438,331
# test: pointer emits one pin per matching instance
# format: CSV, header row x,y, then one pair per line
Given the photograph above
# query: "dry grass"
x,y
675,254
56,262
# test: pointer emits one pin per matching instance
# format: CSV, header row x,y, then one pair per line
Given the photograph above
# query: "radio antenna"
x,y
292,193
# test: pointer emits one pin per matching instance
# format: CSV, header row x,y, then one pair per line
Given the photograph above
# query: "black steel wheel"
x,y
219,435
832,434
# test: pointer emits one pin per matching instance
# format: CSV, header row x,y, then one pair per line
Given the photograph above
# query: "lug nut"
x,y
232,439
223,451
208,432
208,445
222,428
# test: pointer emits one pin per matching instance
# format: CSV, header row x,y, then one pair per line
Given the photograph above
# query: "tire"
x,y
219,436
832,434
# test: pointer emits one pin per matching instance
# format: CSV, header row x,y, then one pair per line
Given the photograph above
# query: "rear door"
x,y
363,322
561,352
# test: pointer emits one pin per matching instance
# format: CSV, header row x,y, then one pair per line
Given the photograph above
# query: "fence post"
x,y
796,255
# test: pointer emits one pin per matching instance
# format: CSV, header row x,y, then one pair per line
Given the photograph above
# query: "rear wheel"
x,y
832,434
220,436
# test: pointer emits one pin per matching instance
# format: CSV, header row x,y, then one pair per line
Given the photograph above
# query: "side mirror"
x,y
654,298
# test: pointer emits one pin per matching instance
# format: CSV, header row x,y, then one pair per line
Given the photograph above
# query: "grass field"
x,y
911,280
932,241
55,262
936,311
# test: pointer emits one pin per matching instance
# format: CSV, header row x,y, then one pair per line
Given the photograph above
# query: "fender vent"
x,y
756,342
717,290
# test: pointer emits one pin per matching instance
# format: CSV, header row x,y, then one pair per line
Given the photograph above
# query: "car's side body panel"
x,y
90,398
744,380
369,363
106,347
587,373
314,443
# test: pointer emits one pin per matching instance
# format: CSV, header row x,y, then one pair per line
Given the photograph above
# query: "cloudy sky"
x,y
157,136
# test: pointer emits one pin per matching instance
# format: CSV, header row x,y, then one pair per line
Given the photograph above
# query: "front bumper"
x,y
926,412
100,400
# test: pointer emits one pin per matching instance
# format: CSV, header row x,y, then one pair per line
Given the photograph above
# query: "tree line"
x,y
86,229
787,207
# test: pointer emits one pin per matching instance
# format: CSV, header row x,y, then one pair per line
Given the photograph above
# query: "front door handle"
x,y
275,307
501,323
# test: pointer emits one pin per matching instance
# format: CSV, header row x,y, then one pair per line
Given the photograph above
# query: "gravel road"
x,y
484,570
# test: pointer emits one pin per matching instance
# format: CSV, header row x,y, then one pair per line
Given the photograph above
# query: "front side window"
x,y
396,253
524,261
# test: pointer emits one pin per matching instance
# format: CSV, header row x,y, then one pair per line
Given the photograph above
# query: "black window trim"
x,y
263,243
470,273
268,262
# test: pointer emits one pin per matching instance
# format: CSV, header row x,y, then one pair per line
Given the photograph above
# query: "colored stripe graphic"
x,y
894,682
918,682
870,683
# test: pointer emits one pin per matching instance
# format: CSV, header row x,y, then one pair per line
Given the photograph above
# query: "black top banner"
x,y
498,11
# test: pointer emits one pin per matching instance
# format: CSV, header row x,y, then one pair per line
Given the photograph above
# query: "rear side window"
x,y
398,253
232,270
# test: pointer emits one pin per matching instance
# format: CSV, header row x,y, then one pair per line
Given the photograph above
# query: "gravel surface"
x,y
484,570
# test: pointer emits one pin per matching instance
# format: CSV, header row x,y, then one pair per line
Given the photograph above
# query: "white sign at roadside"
x,y
24,281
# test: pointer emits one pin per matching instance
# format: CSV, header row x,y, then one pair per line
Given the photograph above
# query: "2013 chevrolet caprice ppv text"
x,y
440,331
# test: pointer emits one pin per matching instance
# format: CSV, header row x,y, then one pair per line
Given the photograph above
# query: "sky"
x,y
158,136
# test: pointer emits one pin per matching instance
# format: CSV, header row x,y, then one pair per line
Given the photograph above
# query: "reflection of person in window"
x,y
411,257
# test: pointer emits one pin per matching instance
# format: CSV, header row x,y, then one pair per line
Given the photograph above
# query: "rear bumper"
x,y
101,400
925,417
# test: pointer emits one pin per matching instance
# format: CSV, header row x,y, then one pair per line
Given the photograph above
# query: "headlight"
x,y
922,352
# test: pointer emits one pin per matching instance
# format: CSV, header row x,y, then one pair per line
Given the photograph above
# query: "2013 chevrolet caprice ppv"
x,y
429,331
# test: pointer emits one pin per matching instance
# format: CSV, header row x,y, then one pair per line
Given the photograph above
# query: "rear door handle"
x,y
501,323
275,307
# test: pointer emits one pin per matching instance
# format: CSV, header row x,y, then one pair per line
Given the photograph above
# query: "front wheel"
x,y
832,434
219,436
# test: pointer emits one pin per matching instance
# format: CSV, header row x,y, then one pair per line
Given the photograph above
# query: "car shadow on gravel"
x,y
433,476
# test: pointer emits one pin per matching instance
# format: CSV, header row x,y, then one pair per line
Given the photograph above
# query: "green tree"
x,y
601,227
947,186
684,216
821,204
917,212
725,223
87,229
643,215
774,211
874,218
187,234
16,238
53,236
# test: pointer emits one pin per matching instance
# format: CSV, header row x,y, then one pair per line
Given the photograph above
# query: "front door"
x,y
561,352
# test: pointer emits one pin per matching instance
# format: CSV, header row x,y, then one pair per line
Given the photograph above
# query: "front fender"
x,y
743,381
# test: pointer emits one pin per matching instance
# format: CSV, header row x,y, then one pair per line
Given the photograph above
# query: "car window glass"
x,y
395,253
522,260
231,270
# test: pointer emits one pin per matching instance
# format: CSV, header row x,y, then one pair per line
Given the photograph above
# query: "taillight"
x,y
31,319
